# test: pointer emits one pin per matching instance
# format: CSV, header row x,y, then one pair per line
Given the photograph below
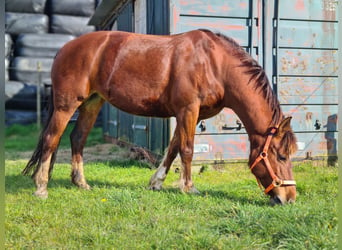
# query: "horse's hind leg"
x,y
88,112
49,144
158,178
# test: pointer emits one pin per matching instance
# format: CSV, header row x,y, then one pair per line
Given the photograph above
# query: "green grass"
x,y
121,213
25,138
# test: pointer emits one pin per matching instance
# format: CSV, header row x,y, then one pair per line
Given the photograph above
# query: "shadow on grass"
x,y
18,183
236,198
128,163
14,183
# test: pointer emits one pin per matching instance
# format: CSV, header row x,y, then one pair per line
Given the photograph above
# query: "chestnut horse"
x,y
190,76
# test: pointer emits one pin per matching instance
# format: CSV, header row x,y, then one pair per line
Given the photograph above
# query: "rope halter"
x,y
276,182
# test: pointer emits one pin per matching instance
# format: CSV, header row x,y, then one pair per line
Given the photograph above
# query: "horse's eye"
x,y
282,157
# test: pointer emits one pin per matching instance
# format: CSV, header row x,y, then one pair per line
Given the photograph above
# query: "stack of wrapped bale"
x,y
37,29
23,17
71,17
8,53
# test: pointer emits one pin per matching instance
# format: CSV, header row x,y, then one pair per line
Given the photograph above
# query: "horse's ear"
x,y
284,126
288,140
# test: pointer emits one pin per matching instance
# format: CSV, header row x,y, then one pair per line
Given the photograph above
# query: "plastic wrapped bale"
x,y
73,8
8,45
12,88
21,96
25,69
40,45
17,23
8,53
6,69
73,25
23,117
24,6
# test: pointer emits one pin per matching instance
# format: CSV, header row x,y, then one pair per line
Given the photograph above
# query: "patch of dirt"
x,y
100,152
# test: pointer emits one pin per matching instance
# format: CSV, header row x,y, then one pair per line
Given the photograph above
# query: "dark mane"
x,y
257,75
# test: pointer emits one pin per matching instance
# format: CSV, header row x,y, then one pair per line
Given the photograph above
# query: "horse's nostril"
x,y
276,201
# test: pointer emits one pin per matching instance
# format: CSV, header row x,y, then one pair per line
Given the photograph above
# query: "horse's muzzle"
x,y
277,200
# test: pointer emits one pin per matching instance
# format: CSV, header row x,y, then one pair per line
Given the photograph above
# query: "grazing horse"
x,y
189,76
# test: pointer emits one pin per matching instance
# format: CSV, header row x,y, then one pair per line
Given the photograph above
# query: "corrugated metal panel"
x,y
140,129
311,144
228,8
308,34
232,18
307,60
236,28
308,90
157,13
113,122
215,144
324,10
305,117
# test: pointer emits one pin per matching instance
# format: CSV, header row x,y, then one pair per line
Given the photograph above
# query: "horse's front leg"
x,y
158,178
186,122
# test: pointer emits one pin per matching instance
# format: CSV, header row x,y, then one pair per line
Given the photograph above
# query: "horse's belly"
x,y
141,106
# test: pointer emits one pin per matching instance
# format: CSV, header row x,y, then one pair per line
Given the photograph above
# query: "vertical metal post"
x,y
275,47
39,69
251,26
267,37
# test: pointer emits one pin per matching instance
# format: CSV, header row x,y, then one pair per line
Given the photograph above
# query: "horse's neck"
x,y
250,105
255,117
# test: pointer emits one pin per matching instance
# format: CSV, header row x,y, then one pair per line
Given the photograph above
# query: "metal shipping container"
x,y
296,41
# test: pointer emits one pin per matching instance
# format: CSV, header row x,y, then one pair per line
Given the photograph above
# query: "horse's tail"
x,y
34,163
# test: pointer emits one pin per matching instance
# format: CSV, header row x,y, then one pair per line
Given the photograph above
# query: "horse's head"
x,y
270,163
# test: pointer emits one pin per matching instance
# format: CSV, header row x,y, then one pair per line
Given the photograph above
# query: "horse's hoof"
x,y
41,194
193,190
84,186
190,190
81,184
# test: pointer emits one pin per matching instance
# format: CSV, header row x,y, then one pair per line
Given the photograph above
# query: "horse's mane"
x,y
257,75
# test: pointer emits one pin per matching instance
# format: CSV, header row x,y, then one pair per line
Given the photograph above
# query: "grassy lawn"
x,y
121,213
24,138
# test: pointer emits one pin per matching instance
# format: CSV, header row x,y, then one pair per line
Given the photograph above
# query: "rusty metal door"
x,y
306,72
296,42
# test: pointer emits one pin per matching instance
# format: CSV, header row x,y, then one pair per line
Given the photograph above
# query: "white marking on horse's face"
x,y
158,178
